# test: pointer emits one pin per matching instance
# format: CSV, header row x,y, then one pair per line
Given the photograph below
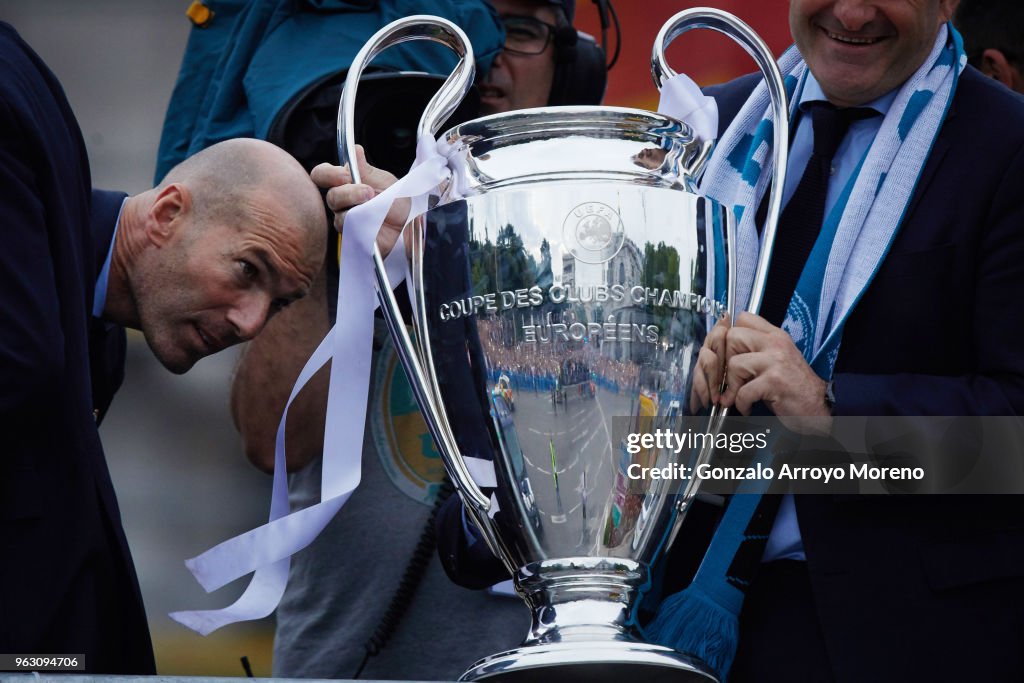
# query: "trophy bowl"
x,y
563,282
572,286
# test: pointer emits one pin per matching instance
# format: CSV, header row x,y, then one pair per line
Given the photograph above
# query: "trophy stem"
x,y
582,629
581,598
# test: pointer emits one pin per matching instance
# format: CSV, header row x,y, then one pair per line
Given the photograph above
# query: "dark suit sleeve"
x,y
31,339
467,562
993,383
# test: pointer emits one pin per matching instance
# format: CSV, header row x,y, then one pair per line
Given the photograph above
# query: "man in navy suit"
x,y
897,588
198,263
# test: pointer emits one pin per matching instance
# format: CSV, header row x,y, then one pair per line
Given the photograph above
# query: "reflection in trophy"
x,y
563,284
651,157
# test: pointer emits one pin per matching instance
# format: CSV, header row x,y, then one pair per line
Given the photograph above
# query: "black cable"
x,y
602,14
411,579
362,665
618,36
246,667
603,9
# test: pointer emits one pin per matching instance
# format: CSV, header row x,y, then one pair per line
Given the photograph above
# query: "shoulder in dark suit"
x,y
959,256
933,335
67,584
901,581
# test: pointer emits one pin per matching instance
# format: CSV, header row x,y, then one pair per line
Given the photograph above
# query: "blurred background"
x,y
181,477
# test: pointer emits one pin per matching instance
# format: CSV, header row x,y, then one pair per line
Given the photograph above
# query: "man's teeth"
x,y
855,41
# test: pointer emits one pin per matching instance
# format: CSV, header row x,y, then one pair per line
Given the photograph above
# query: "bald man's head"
x,y
218,175
232,235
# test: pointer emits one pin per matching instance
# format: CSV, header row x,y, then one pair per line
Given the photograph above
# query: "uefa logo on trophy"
x,y
566,274
593,233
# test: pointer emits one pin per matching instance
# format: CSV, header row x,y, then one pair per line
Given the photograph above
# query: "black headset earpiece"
x,y
581,71
565,39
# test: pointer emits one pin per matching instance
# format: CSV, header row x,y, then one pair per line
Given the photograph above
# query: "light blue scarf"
x,y
858,231
703,620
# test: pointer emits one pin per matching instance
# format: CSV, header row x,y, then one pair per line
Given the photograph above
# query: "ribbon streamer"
x,y
682,99
267,549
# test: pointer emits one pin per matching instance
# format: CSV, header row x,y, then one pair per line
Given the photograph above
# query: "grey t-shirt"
x,y
340,586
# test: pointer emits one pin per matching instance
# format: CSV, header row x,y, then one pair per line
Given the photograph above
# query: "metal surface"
x,y
567,276
503,291
573,285
585,143
444,102
588,661
441,105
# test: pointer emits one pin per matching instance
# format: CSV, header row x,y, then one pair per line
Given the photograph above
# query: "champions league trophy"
x,y
567,272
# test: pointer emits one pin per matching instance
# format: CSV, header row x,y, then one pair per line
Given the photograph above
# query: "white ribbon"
x,y
267,549
481,471
682,99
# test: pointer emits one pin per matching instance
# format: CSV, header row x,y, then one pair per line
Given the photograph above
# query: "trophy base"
x,y
590,662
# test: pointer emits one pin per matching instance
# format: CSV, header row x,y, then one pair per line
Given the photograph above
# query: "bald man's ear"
x,y
171,205
995,64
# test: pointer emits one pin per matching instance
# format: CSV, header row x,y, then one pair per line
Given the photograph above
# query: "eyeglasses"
x,y
527,35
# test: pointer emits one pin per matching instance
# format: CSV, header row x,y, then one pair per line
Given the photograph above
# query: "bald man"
x,y
198,263
231,236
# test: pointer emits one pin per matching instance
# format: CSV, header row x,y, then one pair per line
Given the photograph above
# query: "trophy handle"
x,y
723,22
444,101
440,107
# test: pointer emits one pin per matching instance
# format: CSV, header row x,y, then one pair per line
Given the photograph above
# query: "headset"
x,y
389,102
581,64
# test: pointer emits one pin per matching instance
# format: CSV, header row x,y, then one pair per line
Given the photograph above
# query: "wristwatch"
x,y
830,395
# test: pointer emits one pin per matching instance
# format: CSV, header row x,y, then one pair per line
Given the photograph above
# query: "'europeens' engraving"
x,y
550,331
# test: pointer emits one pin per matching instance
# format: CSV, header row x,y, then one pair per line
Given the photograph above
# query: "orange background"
x,y
708,57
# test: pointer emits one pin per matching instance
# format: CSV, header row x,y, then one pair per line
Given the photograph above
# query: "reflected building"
x,y
626,269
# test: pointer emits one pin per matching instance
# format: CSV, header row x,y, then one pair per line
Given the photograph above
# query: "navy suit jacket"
x,y
67,583
900,582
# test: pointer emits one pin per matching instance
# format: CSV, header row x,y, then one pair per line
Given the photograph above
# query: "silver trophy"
x,y
563,283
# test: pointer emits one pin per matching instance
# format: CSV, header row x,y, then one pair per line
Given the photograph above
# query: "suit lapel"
x,y
934,161
106,340
103,212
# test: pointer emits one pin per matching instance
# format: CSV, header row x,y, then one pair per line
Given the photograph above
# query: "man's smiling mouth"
x,y
852,40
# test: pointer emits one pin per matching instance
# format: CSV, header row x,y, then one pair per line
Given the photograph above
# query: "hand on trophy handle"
x,y
343,194
763,364
709,373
